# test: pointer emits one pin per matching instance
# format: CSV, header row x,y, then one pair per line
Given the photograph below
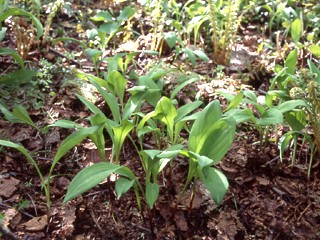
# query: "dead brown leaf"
x,y
8,186
35,224
181,221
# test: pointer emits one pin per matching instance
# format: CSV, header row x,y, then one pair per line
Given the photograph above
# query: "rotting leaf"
x,y
36,223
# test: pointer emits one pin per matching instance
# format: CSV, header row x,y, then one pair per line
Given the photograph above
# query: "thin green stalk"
x,y
294,150
214,27
227,28
313,152
138,151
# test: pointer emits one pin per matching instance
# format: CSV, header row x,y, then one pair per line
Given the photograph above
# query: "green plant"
x,y
175,42
210,138
301,22
173,119
20,115
299,85
102,35
29,87
52,9
224,22
109,27
265,112
24,36
23,204
22,74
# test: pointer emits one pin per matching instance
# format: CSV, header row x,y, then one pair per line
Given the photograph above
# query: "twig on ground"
x,y
96,222
6,232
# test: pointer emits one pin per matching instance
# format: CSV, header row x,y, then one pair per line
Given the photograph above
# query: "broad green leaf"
x,y
122,186
102,16
110,100
120,133
178,127
216,182
4,4
296,119
191,55
132,105
278,79
156,74
13,54
147,129
283,94
92,79
98,137
125,14
291,105
171,38
162,163
206,118
284,143
171,152
19,12
251,95
201,55
315,50
136,89
118,83
291,62
109,28
18,115
181,86
3,31
150,161
203,161
228,96
152,193
152,153
217,140
22,114
296,30
239,115
314,70
9,116
153,94
271,117
88,178
93,54
236,101
71,141
126,172
90,105
65,124
166,112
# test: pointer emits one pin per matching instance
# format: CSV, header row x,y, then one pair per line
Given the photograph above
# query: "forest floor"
x,y
267,199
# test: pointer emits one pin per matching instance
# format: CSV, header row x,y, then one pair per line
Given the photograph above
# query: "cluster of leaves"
x,y
207,143
292,100
299,20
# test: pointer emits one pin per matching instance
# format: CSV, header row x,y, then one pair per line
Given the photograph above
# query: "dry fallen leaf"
x,y
8,186
36,223
181,221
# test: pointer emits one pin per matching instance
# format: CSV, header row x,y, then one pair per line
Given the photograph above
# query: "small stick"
x,y
6,231
303,212
96,222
